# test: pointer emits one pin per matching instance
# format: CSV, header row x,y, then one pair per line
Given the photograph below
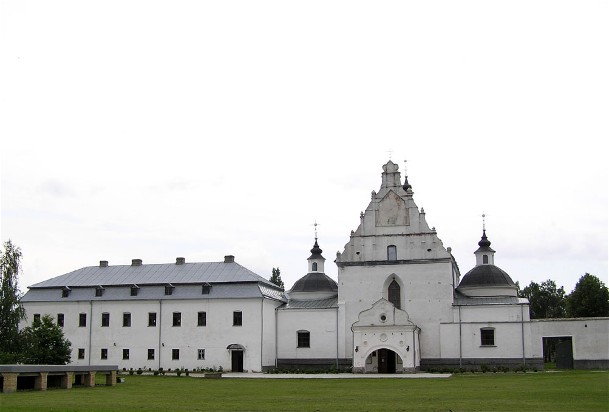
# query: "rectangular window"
x,y
36,318
65,292
175,354
150,354
304,339
60,320
392,253
134,290
201,354
169,290
237,318
81,353
104,354
82,320
487,337
125,354
105,321
205,289
152,319
99,291
126,320
202,319
177,318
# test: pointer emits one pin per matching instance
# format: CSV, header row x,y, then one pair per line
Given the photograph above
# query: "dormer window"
x,y
135,290
205,288
65,292
99,291
169,289
392,253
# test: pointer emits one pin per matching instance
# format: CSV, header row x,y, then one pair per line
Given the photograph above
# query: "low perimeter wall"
x,y
64,375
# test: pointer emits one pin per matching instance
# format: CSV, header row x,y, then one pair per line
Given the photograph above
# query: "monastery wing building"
x,y
400,305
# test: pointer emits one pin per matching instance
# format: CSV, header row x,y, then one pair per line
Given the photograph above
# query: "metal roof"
x,y
311,304
211,272
156,292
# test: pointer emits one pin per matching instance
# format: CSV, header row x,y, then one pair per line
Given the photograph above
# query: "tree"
x,y
546,300
276,278
589,298
11,311
43,343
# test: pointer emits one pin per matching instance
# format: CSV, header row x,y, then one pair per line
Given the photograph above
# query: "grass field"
x,y
542,391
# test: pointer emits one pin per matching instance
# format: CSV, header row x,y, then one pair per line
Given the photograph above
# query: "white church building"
x,y
400,305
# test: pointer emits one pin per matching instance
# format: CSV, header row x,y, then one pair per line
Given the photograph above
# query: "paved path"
x,y
251,375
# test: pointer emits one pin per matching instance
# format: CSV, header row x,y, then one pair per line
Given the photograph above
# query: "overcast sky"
x,y
158,129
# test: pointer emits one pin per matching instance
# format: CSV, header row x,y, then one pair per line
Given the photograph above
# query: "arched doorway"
x,y
236,357
384,360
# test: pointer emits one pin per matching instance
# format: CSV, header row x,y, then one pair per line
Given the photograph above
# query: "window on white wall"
x,y
304,339
487,337
393,294
392,253
201,354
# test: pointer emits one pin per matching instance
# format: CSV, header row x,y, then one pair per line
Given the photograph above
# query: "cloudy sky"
x,y
157,129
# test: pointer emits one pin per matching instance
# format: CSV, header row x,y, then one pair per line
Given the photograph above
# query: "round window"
x,y
383,317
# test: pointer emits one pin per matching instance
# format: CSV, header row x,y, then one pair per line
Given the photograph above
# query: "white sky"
x,y
157,129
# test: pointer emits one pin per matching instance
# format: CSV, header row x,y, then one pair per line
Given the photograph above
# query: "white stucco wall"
x,y
256,333
590,336
321,323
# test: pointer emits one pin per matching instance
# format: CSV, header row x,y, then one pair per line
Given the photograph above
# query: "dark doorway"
x,y
237,360
558,352
386,361
564,354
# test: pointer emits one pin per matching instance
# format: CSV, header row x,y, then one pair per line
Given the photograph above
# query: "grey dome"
x,y
486,275
315,282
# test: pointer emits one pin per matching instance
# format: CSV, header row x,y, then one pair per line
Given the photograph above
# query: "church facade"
x,y
400,305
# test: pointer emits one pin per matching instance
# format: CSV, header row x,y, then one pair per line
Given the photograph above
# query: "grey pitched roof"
x,y
156,292
155,274
311,304
462,300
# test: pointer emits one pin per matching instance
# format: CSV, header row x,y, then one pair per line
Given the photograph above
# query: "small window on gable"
x,y
314,266
487,337
134,290
99,291
304,339
485,259
205,289
392,253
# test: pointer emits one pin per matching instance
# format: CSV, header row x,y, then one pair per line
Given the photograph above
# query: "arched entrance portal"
x,y
236,352
384,360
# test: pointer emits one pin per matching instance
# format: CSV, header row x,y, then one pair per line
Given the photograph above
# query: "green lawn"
x,y
542,391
